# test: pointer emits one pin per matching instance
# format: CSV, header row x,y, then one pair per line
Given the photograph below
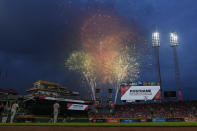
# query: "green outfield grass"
x,y
138,124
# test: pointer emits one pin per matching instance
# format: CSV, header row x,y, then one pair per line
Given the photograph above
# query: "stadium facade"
x,y
142,103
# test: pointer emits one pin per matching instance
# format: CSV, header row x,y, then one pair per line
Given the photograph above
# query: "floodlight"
x,y
155,39
156,45
173,39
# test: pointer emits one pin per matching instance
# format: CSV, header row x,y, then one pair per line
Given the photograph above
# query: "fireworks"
x,y
84,63
125,68
108,52
104,35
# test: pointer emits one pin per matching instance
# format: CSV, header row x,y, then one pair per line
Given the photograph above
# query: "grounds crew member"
x,y
55,111
13,111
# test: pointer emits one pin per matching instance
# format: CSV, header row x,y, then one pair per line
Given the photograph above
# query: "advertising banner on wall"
x,y
79,107
61,99
99,120
143,120
175,119
159,120
148,120
113,120
192,119
128,120
132,93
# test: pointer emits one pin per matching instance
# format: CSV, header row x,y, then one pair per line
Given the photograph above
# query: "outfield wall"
x,y
65,128
118,120
106,120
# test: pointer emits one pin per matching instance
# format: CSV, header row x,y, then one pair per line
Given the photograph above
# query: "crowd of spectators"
x,y
151,110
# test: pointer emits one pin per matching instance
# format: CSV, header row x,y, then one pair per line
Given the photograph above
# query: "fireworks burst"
x,y
103,35
125,68
84,63
108,52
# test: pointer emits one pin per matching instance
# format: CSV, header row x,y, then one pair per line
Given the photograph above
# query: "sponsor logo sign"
x,y
193,119
113,120
174,119
78,107
159,120
61,99
99,120
128,120
130,93
143,120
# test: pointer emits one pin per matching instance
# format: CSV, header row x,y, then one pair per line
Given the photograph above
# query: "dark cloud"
x,y
36,36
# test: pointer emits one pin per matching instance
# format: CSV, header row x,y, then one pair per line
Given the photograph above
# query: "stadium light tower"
x,y
156,45
174,43
155,39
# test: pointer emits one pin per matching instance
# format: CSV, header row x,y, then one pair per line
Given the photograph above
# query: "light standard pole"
x,y
174,43
156,45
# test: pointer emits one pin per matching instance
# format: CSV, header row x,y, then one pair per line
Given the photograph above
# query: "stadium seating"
x,y
151,110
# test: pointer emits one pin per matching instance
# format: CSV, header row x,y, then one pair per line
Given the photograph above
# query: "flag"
x,y
6,75
180,95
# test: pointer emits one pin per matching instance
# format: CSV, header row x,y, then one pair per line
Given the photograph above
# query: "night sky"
x,y
37,35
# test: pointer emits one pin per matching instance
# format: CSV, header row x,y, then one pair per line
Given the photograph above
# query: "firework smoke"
x,y
111,55
104,35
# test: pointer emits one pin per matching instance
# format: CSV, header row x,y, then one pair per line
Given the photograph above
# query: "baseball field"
x,y
140,126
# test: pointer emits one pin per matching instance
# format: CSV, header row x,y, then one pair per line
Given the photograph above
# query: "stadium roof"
x,y
46,83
